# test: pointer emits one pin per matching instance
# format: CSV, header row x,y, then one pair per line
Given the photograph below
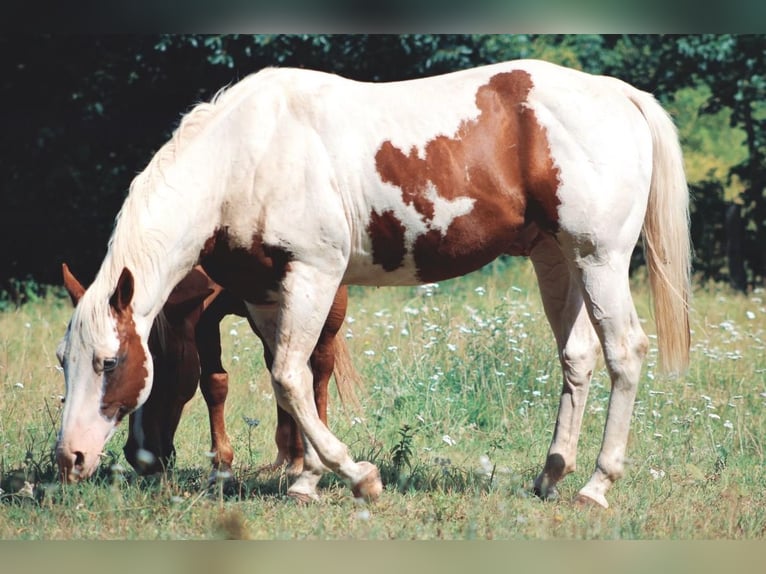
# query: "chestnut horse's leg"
x,y
214,380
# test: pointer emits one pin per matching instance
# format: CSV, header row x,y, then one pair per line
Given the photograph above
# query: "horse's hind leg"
x,y
578,350
606,291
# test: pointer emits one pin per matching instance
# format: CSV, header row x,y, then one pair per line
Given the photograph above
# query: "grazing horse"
x,y
185,343
292,183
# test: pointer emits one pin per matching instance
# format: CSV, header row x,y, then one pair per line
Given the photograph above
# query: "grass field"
x,y
460,398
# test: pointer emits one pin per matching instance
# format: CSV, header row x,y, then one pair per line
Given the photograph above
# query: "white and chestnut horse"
x,y
293,183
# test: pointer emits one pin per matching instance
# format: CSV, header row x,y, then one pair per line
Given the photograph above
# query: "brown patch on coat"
x,y
249,273
501,160
387,233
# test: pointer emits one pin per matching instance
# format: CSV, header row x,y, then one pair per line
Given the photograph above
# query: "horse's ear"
x,y
73,286
123,294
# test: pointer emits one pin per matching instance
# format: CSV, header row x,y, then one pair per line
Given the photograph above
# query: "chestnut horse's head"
x,y
149,447
107,369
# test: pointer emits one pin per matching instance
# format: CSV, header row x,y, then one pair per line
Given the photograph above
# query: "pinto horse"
x,y
292,183
185,343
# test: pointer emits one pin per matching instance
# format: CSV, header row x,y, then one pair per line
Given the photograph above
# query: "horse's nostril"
x,y
71,464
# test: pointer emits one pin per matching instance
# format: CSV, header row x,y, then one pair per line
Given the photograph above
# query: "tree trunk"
x,y
734,247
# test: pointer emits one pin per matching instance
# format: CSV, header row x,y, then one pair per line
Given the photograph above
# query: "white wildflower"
x,y
486,464
656,474
363,514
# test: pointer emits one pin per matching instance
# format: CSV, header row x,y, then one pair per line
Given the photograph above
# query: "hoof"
x,y
221,481
549,494
370,486
583,500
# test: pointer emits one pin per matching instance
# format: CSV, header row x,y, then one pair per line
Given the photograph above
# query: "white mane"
x,y
139,241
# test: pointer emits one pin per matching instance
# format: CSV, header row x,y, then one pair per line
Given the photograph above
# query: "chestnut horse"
x,y
292,183
185,343
186,349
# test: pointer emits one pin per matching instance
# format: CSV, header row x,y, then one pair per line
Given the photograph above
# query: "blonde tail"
x,y
667,245
347,378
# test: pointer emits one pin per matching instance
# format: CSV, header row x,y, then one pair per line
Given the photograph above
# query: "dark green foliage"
x,y
82,115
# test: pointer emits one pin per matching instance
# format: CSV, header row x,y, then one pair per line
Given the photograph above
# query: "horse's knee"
x,y
291,385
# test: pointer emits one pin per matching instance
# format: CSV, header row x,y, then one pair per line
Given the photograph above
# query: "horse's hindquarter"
x,y
603,152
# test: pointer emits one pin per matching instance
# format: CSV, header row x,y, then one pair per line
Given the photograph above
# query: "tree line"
x,y
82,114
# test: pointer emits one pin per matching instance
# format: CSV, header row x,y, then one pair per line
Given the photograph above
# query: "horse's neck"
x,y
161,232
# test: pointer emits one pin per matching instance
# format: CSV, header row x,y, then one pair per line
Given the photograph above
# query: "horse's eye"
x,y
110,364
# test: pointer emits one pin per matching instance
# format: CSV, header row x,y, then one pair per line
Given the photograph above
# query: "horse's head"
x,y
107,370
152,427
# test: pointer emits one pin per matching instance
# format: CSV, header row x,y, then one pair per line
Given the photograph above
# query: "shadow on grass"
x,y
37,477
31,483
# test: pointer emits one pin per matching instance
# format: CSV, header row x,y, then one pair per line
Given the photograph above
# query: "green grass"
x,y
461,393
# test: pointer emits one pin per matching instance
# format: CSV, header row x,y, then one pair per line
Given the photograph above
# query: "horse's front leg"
x,y
214,381
303,312
288,436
